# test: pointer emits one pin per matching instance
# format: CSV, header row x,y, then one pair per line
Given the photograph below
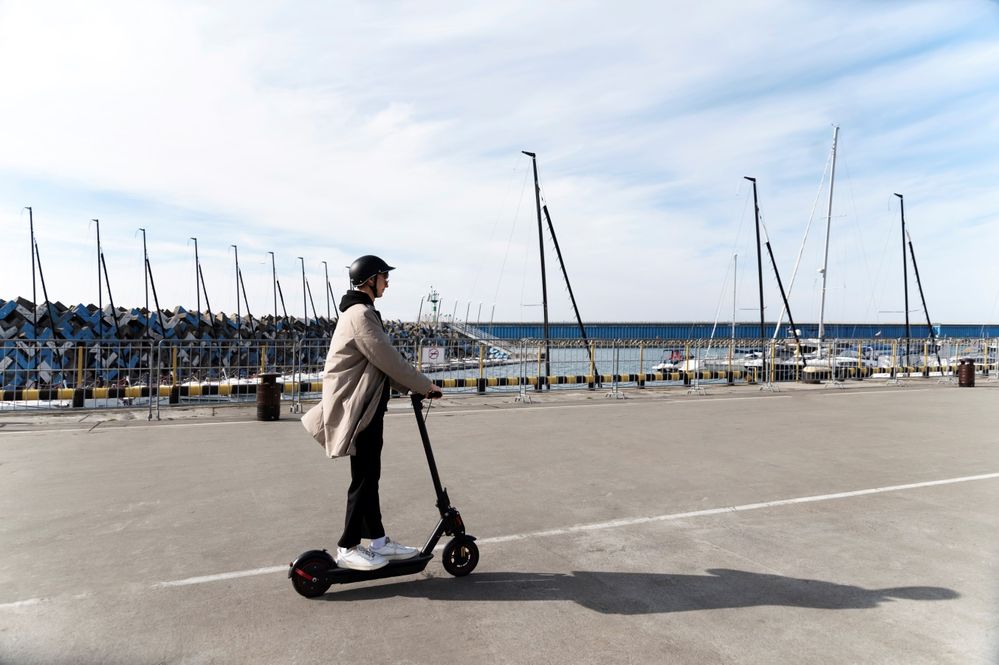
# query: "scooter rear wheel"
x,y
309,577
461,555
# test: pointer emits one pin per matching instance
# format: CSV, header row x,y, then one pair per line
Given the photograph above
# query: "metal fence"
x,y
48,374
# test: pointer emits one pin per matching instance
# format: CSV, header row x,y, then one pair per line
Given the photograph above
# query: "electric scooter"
x,y
315,571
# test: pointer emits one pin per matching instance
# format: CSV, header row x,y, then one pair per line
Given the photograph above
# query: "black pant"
x,y
364,514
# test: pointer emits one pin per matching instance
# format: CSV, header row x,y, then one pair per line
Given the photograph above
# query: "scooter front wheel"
x,y
461,555
309,576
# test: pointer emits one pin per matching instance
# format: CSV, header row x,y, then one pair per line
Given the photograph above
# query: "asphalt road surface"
x,y
812,525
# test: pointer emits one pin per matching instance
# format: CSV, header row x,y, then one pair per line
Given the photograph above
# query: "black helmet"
x,y
367,267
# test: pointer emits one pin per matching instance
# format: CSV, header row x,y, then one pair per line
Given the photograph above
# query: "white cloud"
x,y
328,130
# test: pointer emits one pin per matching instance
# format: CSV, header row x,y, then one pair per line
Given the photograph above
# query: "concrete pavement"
x,y
809,526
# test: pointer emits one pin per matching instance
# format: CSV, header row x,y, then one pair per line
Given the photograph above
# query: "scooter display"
x,y
315,571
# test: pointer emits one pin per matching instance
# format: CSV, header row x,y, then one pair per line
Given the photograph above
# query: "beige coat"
x,y
361,358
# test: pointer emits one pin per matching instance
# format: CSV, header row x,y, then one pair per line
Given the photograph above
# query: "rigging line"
x,y
492,233
721,296
801,249
889,231
523,282
509,240
863,250
742,218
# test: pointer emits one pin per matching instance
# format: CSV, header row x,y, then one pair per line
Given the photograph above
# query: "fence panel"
x,y
56,374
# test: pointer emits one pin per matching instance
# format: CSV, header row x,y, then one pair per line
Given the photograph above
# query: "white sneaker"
x,y
359,558
393,551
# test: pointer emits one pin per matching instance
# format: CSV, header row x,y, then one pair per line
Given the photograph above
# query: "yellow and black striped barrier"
x,y
588,379
175,392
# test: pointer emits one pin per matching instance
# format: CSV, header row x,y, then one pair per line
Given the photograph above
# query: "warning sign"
x,y
433,355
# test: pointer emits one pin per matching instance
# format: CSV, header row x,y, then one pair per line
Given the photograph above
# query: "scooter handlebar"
x,y
433,394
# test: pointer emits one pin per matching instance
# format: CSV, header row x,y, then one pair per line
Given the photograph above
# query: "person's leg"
x,y
371,513
363,518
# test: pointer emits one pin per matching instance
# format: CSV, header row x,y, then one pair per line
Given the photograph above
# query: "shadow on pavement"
x,y
645,593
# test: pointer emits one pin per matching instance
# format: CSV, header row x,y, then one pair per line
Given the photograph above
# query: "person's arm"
x,y
377,348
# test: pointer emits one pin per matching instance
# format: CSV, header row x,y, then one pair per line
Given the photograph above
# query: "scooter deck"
x,y
416,564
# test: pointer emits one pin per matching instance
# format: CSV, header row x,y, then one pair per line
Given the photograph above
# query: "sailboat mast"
x,y
541,248
100,286
759,270
825,260
197,282
239,312
145,280
326,272
34,287
905,278
305,306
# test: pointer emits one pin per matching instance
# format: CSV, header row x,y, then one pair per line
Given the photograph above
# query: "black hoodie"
x,y
351,298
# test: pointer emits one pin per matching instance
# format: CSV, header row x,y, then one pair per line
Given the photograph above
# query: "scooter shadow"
x,y
646,593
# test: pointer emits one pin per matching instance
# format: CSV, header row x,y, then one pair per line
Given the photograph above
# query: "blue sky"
x,y
331,129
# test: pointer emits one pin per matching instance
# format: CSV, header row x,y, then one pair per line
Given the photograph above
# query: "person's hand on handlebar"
x,y
435,392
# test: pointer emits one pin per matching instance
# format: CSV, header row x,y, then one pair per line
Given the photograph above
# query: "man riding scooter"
x,y
360,366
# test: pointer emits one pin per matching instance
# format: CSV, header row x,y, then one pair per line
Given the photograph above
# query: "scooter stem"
x,y
417,403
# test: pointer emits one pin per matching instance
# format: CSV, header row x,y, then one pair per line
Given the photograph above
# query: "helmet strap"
x,y
370,287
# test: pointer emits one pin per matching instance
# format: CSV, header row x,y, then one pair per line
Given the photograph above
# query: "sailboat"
x,y
822,359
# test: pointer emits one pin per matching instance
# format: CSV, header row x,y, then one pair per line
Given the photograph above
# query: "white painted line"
x,y
731,509
878,391
129,427
20,603
223,576
613,524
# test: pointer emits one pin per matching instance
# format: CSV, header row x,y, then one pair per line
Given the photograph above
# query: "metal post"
x,y
197,280
825,263
239,312
305,306
145,281
759,266
34,287
326,272
541,249
100,287
274,287
905,279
